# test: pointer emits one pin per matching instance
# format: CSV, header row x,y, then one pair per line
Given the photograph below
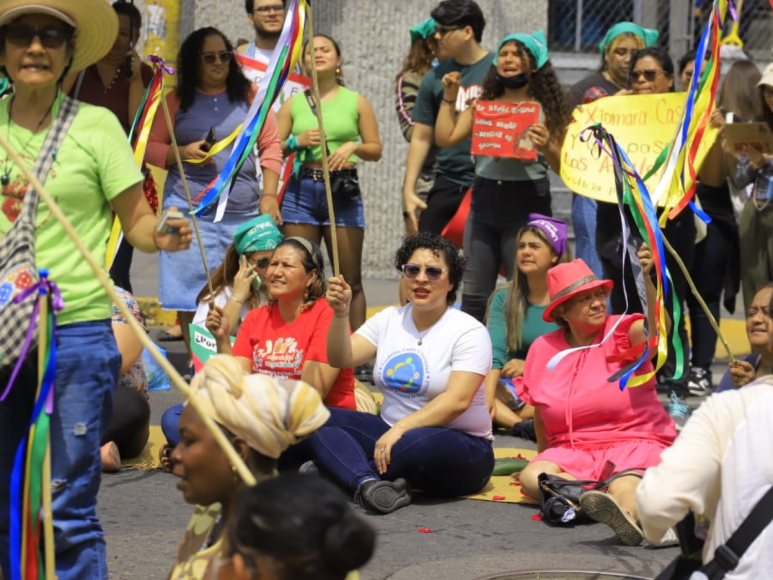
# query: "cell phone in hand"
x,y
209,140
163,224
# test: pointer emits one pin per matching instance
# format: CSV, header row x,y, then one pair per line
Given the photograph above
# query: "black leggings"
x,y
442,203
130,426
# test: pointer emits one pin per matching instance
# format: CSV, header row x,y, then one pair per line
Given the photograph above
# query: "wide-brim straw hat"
x,y
568,280
95,23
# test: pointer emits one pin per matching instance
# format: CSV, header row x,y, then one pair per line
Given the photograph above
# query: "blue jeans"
x,y
584,221
170,422
87,369
437,460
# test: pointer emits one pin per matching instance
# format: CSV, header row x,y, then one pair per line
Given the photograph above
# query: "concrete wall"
x,y
374,39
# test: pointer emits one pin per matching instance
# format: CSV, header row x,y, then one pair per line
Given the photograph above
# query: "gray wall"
x,y
374,39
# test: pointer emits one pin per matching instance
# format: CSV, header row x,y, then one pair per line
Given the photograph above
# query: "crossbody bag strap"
x,y
47,154
313,106
727,556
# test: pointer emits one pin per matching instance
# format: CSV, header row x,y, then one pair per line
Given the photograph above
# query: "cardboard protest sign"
x,y
203,346
499,129
738,136
643,125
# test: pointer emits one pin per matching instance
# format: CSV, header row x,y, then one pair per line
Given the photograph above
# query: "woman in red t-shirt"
x,y
287,338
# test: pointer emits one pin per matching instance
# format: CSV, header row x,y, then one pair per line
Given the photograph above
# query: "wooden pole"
x,y
323,142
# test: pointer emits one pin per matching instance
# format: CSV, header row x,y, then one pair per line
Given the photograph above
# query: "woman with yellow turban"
x,y
261,416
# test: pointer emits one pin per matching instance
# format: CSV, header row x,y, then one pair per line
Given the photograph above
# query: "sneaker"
x,y
678,410
700,382
524,429
383,497
603,508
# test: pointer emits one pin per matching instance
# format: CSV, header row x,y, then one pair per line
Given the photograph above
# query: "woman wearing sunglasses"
x,y
207,108
434,431
81,154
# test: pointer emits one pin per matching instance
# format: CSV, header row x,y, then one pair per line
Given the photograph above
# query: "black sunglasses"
x,y
433,273
262,263
443,30
50,36
649,75
212,57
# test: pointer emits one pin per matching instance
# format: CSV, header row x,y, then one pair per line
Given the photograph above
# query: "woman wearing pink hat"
x,y
587,428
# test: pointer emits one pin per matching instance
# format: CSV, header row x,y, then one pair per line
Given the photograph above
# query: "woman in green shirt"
x,y
514,318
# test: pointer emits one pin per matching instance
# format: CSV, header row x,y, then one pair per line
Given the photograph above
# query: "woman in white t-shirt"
x,y
434,431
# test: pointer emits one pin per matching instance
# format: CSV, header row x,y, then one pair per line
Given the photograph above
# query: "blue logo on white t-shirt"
x,y
404,372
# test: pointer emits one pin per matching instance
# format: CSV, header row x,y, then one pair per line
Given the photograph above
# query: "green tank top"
x,y
341,122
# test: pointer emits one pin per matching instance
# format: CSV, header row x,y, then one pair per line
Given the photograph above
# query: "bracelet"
x,y
291,144
450,102
237,300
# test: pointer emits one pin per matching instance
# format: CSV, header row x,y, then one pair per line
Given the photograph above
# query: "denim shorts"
x,y
305,202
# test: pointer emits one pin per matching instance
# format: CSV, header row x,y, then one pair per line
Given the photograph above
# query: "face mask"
x,y
513,82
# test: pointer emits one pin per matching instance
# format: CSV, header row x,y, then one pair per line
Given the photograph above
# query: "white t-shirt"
x,y
221,299
410,374
720,466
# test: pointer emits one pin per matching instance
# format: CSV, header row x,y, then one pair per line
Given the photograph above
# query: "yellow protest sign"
x,y
643,125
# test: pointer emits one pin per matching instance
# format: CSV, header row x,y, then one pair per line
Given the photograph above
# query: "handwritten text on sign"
x,y
499,129
641,124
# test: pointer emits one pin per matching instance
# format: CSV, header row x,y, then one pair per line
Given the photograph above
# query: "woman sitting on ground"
x,y
296,526
261,417
239,281
286,338
431,360
759,329
514,318
587,428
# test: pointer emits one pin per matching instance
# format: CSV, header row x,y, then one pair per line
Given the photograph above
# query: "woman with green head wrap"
x,y
506,190
611,78
421,58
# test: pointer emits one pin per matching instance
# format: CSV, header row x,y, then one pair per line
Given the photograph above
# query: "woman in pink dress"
x,y
587,428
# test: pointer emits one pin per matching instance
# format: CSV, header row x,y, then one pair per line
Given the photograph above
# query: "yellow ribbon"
x,y
216,148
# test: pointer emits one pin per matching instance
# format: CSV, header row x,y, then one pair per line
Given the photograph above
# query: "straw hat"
x,y
568,280
95,23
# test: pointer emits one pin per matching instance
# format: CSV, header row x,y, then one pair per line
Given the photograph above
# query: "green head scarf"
x,y
257,235
650,37
534,43
423,30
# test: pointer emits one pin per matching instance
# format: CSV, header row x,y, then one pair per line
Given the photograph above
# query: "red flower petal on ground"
x,y
536,518
425,530
498,497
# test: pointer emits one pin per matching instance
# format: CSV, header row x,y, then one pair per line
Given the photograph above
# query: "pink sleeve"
x,y
159,140
269,148
622,336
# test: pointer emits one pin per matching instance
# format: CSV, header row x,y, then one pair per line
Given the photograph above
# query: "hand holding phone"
x,y
210,140
163,224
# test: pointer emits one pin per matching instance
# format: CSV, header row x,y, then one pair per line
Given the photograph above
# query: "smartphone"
x,y
163,225
209,140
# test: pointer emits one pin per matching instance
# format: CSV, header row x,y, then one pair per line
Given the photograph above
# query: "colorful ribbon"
x,y
28,481
282,63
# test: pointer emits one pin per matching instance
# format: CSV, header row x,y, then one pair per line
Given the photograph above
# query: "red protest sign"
x,y
499,129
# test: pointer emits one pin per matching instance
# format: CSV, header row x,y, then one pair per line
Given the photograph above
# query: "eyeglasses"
x,y
443,30
212,57
50,36
262,263
649,75
267,9
433,273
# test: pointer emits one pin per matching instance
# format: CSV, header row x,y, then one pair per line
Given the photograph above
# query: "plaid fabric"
x,y
17,248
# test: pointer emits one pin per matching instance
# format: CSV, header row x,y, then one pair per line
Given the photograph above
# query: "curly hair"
x,y
441,248
312,262
543,87
237,85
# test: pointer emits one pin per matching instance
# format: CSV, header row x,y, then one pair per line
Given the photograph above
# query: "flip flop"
x,y
164,336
